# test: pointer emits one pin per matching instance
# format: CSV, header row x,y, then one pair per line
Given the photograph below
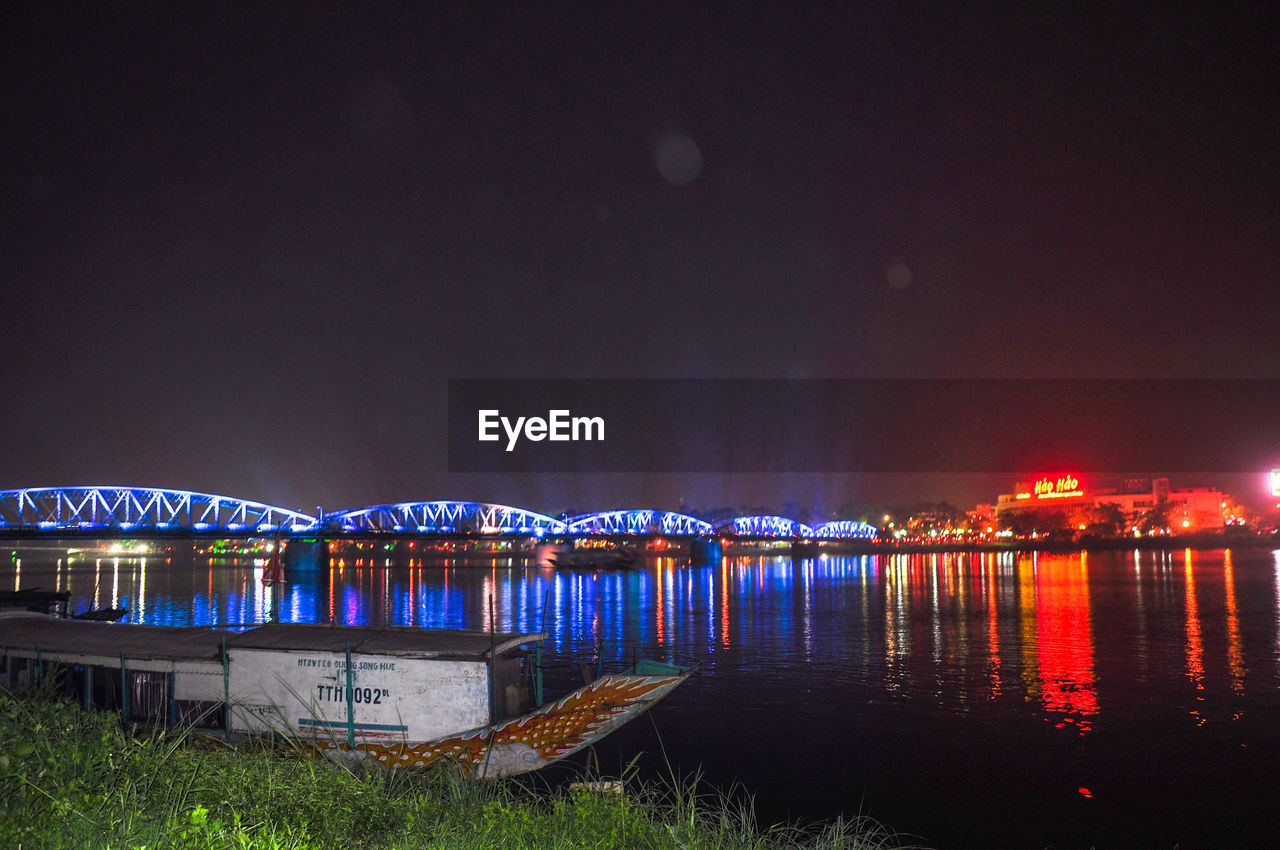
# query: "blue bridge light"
x,y
137,509
638,522
765,526
444,517
142,509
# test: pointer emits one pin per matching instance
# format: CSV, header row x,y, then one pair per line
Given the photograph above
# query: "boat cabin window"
x,y
201,714
99,689
19,672
104,689
151,701
149,696
512,685
72,681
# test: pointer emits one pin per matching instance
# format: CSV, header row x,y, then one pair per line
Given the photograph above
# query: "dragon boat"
x,y
402,697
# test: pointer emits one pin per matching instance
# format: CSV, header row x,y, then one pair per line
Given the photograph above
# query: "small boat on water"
x,y
402,697
54,603
593,559
106,615
563,557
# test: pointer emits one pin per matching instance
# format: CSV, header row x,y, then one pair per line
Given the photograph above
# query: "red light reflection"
x,y
1065,638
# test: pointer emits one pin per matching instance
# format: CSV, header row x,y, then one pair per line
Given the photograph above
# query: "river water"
x,y
1099,699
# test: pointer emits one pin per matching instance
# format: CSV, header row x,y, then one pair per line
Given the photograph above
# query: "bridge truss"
x,y
147,509
765,526
140,509
844,530
638,522
444,517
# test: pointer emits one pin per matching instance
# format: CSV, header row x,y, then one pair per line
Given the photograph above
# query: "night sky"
x,y
244,248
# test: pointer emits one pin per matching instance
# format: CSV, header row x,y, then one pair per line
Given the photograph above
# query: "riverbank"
x,y
69,778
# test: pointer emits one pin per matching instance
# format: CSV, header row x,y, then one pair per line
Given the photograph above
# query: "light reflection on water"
x,y
1041,674
963,617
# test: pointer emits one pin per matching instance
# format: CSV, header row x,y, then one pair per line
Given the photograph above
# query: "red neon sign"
x,y
1066,485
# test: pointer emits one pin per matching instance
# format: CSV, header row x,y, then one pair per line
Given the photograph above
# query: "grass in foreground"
x,y
74,779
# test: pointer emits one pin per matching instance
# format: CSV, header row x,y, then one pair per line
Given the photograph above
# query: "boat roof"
x,y
84,637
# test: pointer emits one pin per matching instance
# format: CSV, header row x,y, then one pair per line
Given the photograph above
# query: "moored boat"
x,y
593,559
399,696
54,603
35,599
109,615
563,556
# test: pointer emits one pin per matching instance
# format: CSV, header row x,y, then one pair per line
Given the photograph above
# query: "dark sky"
x,y
244,248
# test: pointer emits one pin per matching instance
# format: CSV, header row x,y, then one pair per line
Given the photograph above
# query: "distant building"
x,y
1187,508
982,515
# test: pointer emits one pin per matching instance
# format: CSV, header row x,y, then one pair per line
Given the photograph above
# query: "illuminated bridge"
x,y
140,510
638,522
88,509
844,530
444,518
764,526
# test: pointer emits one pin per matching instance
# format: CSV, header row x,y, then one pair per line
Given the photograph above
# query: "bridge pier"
x,y
305,556
804,549
705,549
